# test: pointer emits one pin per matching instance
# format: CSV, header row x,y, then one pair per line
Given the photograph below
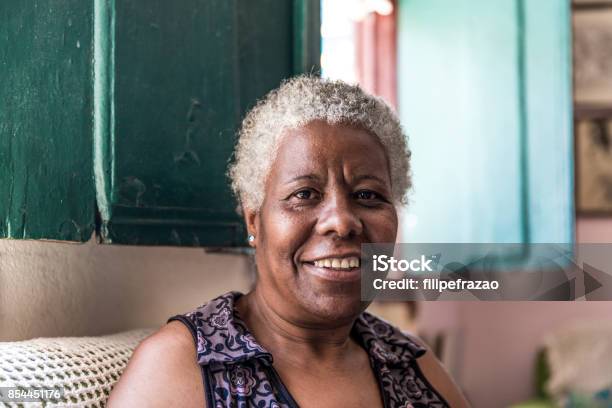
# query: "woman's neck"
x,y
291,339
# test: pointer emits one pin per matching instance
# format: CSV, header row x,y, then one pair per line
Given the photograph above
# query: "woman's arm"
x,y
441,380
162,372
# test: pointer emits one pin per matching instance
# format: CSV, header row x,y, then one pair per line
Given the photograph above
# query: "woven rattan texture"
x,y
86,368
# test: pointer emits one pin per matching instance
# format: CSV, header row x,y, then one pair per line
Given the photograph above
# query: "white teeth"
x,y
338,263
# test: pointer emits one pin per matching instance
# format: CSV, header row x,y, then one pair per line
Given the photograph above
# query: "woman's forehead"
x,y
313,149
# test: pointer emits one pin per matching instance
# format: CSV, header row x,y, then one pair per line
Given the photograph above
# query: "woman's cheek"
x,y
286,234
382,226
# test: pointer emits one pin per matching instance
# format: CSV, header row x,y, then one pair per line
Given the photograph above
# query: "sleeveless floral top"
x,y
238,372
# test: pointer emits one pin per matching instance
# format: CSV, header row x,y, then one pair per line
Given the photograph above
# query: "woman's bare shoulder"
x,y
162,372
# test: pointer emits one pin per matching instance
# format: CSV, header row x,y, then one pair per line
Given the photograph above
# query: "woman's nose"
x,y
338,217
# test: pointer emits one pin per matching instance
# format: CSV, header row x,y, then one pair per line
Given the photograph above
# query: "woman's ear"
x,y
251,219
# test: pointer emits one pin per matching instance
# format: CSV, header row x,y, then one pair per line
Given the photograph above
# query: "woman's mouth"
x,y
345,269
338,263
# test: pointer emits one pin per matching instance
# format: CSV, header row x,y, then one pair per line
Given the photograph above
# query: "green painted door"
x,y
485,97
131,108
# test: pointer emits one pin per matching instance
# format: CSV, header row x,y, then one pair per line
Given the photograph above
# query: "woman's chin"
x,y
334,306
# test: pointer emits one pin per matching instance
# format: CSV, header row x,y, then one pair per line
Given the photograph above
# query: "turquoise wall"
x,y
485,98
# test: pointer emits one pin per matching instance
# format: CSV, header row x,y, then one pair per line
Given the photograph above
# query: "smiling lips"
x,y
335,268
338,263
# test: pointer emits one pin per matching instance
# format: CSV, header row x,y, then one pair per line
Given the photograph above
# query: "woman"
x,y
319,169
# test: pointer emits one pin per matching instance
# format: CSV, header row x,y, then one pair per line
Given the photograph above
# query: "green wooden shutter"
x,y
485,96
46,120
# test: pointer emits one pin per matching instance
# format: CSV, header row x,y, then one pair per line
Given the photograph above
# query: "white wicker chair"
x,y
85,368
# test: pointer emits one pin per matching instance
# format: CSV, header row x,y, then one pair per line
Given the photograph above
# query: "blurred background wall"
x,y
59,289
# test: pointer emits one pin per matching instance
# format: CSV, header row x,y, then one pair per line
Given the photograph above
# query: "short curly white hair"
x,y
297,102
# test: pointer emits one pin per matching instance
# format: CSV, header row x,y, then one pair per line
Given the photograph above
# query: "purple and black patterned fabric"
x,y
238,372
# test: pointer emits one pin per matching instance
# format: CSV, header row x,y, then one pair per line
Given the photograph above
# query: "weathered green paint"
x,y
46,53
181,76
485,96
103,102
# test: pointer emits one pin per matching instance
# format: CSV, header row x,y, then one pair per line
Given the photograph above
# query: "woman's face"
x,y
328,192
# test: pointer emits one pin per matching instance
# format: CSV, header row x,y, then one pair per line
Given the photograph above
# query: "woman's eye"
x,y
305,194
367,195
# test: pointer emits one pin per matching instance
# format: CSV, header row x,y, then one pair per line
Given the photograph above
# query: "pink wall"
x,y
594,229
499,340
